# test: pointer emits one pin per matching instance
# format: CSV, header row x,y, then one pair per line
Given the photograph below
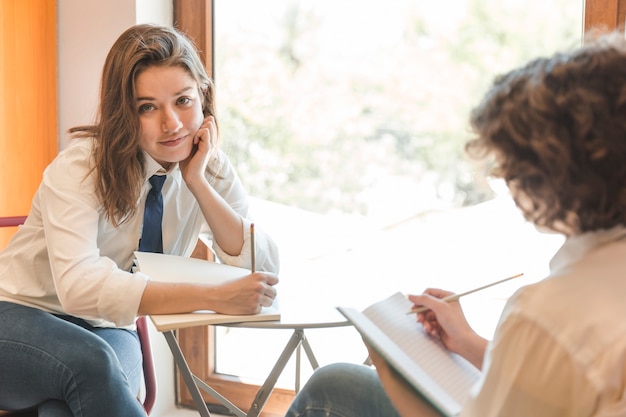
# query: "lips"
x,y
173,141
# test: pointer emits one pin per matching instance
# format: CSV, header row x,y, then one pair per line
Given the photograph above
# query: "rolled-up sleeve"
x,y
229,186
88,284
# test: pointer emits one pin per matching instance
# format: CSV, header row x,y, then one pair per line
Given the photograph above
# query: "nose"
x,y
170,122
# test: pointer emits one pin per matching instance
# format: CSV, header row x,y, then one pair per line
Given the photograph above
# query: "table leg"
x,y
297,341
194,384
309,353
188,377
268,386
298,370
231,407
304,344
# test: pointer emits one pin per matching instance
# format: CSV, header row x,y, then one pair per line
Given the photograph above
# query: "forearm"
x,y
225,223
474,350
174,298
246,295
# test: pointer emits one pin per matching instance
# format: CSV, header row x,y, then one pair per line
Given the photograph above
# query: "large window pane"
x,y
347,119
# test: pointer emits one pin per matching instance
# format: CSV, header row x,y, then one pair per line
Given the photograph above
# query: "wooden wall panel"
x,y
28,101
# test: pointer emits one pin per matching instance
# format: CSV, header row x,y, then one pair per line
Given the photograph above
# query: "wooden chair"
x,y
144,339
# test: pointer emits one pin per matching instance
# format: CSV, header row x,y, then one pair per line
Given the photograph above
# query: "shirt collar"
x,y
577,247
152,167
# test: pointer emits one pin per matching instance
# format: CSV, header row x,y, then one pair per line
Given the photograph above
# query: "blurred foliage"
x,y
323,103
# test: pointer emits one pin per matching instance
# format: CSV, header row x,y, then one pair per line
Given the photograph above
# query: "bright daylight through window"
x,y
346,120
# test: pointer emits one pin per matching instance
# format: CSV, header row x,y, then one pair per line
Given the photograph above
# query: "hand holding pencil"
x,y
444,320
455,297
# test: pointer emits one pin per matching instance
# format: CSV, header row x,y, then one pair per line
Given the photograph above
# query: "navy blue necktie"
x,y
151,237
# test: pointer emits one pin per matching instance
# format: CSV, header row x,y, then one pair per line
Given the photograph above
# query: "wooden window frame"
x,y
195,18
604,15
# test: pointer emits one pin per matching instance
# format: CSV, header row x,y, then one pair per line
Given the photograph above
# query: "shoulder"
x,y
586,271
571,309
77,152
74,162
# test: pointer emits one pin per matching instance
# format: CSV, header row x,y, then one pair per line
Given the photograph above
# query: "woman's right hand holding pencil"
x,y
246,295
445,320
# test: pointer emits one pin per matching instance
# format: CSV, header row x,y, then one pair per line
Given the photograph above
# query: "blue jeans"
x,y
66,367
342,390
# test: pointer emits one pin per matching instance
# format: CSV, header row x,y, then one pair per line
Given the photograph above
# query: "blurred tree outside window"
x,y
326,105
358,111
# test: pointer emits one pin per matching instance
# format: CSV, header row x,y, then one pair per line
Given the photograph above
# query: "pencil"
x,y
252,248
455,297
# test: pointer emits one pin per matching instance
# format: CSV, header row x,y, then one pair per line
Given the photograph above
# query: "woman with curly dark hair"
x,y
556,130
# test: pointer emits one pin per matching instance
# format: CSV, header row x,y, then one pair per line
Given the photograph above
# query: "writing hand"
x,y
248,295
446,321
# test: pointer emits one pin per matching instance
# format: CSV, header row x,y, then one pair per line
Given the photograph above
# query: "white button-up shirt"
x,y
69,257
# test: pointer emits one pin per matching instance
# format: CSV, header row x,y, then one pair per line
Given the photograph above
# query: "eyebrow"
x,y
175,94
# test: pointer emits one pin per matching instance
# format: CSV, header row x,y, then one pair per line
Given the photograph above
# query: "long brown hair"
x,y
557,129
119,160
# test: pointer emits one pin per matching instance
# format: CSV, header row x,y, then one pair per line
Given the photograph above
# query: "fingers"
x,y
204,148
429,299
265,289
207,133
433,293
270,279
269,290
437,292
430,324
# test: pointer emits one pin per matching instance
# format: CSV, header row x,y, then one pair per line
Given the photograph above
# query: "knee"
x,y
342,389
95,361
332,386
332,376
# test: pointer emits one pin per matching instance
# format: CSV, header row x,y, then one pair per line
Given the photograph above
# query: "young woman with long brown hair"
x,y
69,296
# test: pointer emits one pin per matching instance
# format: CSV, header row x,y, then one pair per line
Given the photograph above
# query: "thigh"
x,y
44,357
125,344
127,348
34,348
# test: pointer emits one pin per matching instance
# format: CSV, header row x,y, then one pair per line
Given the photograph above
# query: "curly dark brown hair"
x,y
557,130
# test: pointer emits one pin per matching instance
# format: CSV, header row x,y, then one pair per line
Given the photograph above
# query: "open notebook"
x,y
441,377
171,268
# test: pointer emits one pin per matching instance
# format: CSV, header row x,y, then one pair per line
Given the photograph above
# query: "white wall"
x,y
86,31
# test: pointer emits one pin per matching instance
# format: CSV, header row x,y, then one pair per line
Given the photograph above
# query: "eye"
x,y
144,108
184,100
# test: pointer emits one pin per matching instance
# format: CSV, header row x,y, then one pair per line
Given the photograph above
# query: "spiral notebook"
x,y
443,378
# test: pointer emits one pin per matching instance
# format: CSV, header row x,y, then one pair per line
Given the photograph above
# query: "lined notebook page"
x,y
443,378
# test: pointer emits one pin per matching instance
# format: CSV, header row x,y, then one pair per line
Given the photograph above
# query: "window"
x,y
346,121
